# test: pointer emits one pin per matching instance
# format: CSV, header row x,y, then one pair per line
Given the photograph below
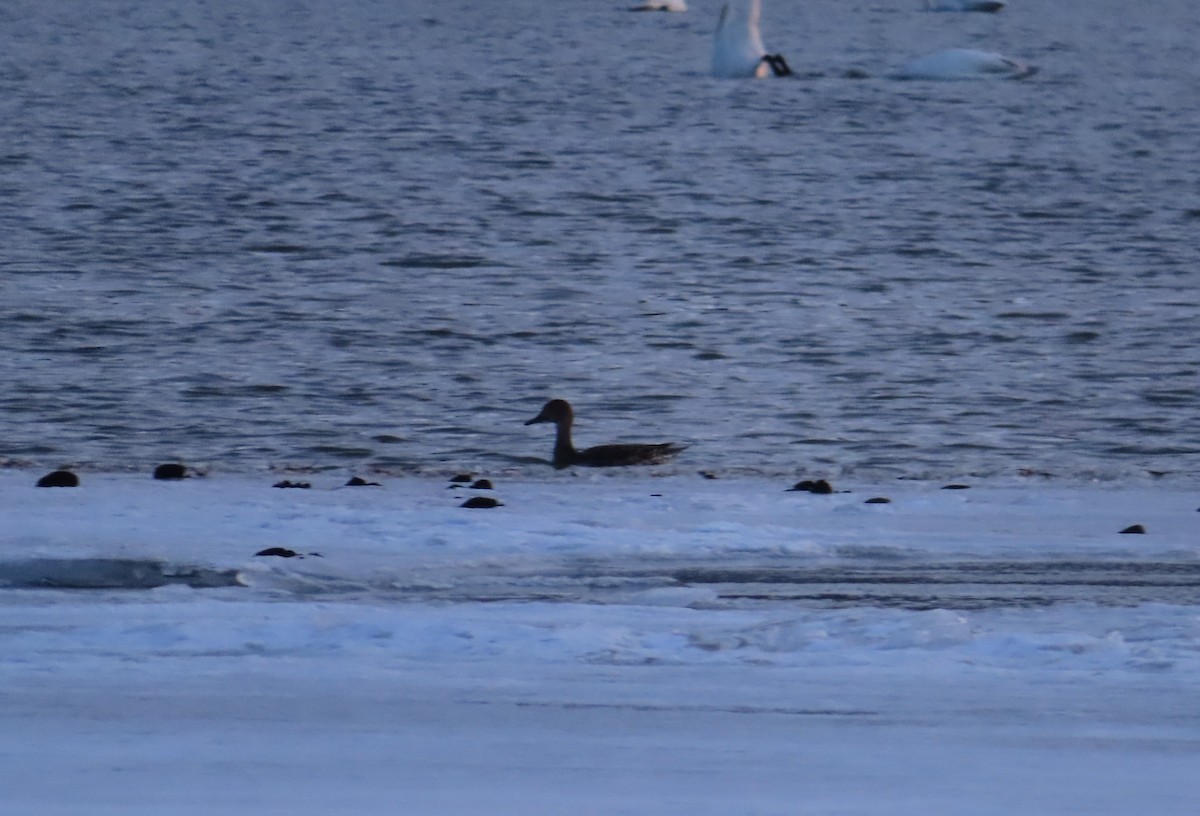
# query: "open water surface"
x,y
382,234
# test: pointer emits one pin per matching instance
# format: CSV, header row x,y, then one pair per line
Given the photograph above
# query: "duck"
x,y
965,63
559,412
738,51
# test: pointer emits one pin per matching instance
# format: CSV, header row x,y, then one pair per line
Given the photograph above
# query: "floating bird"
x,y
738,51
661,5
559,412
965,63
987,6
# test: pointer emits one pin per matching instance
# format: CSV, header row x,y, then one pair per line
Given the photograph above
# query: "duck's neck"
x,y
564,452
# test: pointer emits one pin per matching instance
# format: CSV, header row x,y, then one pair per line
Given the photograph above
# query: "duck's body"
x,y
560,413
738,51
965,63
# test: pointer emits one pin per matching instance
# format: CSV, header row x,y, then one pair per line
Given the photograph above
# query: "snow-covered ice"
x,y
598,645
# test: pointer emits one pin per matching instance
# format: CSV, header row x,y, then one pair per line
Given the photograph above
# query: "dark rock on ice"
x,y
170,471
820,487
481,502
59,478
281,552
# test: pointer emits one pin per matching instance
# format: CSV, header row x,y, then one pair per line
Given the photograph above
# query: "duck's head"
x,y
557,411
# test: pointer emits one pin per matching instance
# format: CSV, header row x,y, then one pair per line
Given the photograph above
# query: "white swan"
x,y
964,63
989,6
661,5
738,51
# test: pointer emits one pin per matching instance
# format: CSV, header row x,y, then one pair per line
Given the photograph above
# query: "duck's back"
x,y
626,454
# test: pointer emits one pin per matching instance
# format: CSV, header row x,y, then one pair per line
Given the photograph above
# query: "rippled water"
x,y
272,233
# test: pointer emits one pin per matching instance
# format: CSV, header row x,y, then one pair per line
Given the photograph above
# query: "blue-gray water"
x,y
383,233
